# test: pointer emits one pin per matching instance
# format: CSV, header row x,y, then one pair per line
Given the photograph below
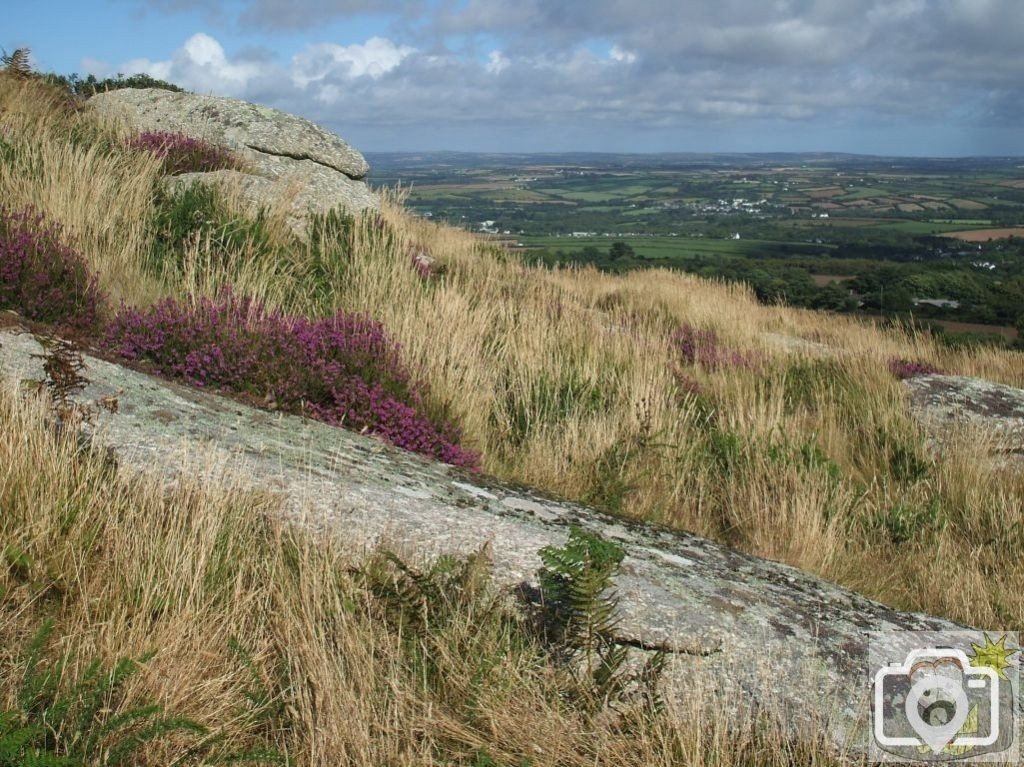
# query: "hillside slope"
x,y
658,396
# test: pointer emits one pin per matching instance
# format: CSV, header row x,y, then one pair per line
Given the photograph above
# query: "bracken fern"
x,y
51,727
18,62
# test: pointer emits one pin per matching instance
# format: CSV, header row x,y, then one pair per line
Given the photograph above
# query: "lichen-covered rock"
x,y
308,189
753,630
947,403
235,124
277,146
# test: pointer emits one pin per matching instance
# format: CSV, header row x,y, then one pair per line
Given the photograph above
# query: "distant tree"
x,y
620,250
90,85
834,297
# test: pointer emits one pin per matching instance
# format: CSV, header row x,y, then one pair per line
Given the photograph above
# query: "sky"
x,y
888,77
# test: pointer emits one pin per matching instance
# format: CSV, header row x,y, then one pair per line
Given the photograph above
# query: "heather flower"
x,y
41,277
183,154
904,368
342,370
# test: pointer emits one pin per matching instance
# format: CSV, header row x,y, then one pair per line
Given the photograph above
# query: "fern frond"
x,y
609,677
127,746
38,687
93,693
18,62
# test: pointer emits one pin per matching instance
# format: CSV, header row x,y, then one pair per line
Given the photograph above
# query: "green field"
x,y
922,227
674,248
877,221
861,194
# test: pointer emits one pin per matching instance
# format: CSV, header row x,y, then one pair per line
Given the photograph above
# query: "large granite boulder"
x,y
289,155
993,412
754,631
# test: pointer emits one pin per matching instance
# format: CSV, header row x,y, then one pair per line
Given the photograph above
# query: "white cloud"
x,y
161,70
205,63
496,62
614,65
200,65
374,58
620,54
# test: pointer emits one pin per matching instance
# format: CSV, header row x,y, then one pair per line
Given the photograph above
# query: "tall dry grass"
x,y
73,169
567,379
327,675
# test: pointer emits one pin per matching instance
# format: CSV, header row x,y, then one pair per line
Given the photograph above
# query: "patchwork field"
x,y
981,235
895,229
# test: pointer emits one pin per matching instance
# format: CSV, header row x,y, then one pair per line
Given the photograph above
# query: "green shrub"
x,y
903,523
580,618
903,454
545,401
725,449
197,210
807,456
610,481
76,727
817,382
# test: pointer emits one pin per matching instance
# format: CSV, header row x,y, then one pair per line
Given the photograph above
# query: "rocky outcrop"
x,y
945,404
751,629
323,169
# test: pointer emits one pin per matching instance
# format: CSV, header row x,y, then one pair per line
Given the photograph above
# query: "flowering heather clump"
x,y
903,368
182,154
41,277
698,345
340,370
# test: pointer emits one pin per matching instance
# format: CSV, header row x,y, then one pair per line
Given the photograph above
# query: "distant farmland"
x,y
983,235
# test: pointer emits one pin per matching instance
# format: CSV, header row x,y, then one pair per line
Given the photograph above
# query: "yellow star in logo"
x,y
993,655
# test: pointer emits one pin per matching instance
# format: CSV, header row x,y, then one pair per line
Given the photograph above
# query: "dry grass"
x,y
566,379
563,379
124,565
73,170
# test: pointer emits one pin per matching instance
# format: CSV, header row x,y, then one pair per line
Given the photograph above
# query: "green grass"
x,y
581,196
861,193
919,227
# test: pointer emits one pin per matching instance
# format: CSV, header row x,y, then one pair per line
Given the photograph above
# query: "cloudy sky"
x,y
911,77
